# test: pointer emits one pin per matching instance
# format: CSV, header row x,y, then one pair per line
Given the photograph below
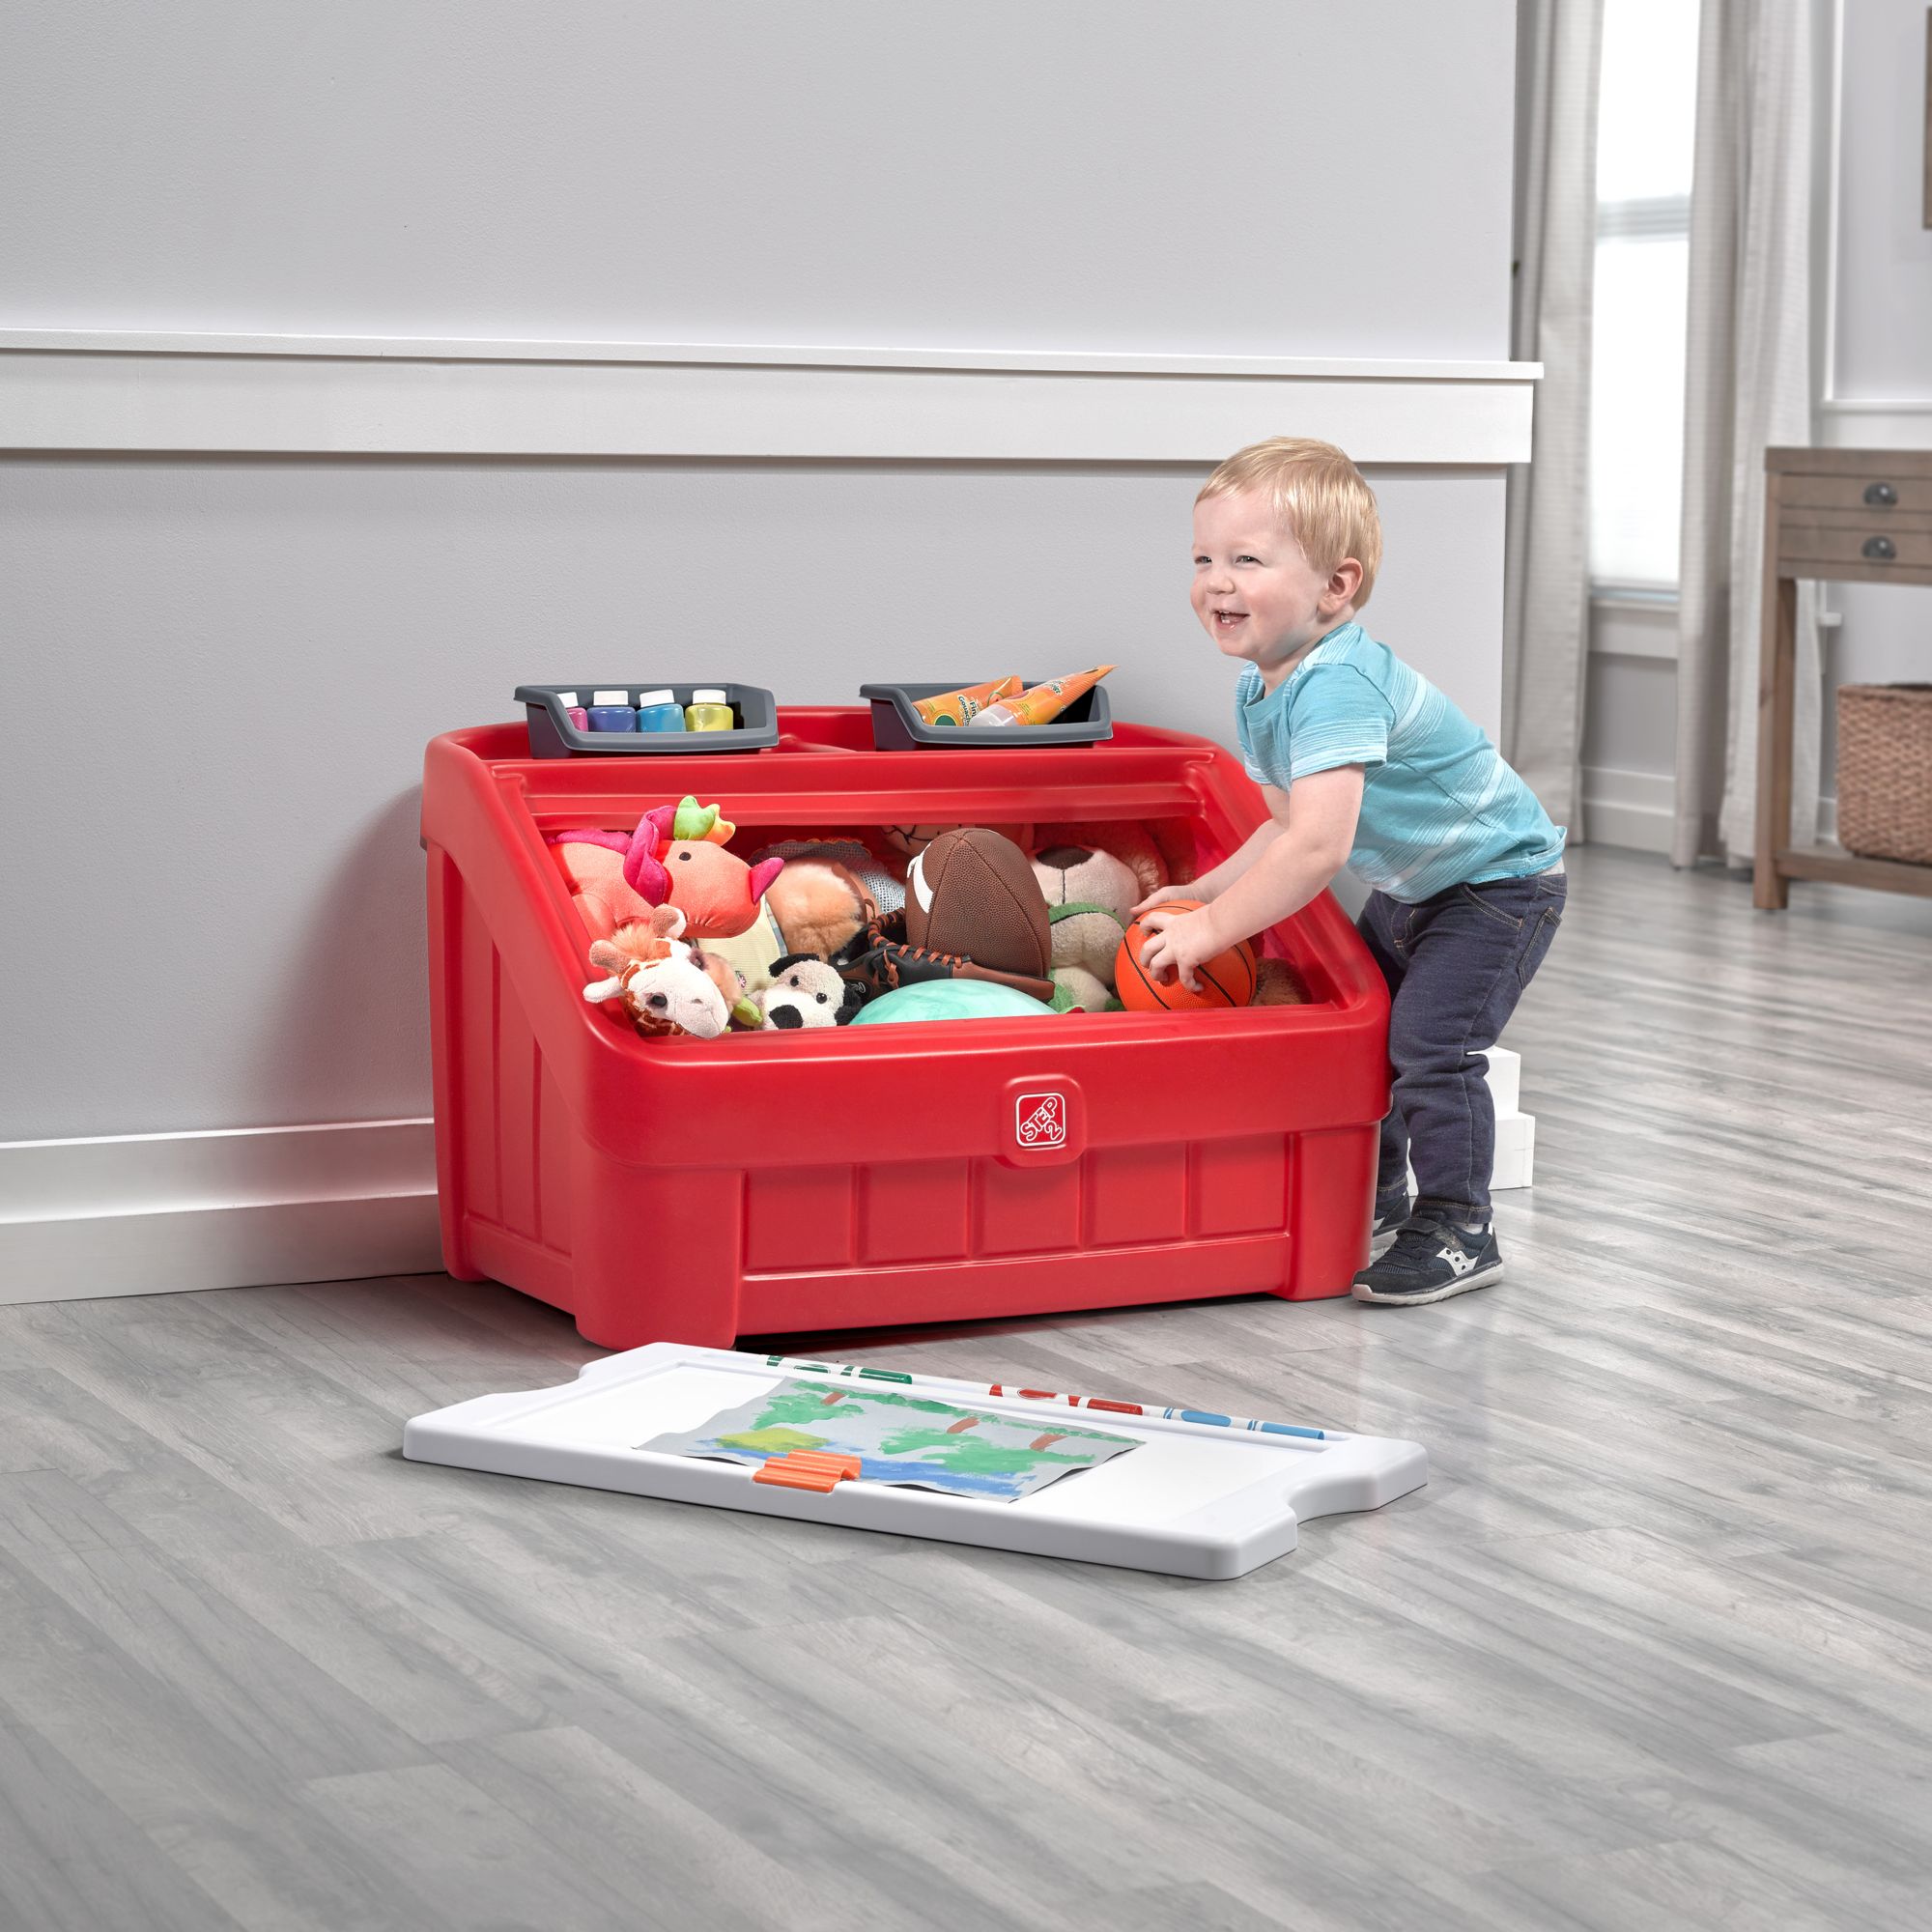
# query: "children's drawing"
x,y
900,1438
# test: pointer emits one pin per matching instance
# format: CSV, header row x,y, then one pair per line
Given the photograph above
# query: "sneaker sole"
x,y
1476,1278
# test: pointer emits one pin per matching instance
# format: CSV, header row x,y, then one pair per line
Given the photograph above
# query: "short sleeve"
x,y
1245,738
1340,717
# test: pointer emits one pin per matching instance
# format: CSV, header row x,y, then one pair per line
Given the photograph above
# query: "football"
x,y
973,892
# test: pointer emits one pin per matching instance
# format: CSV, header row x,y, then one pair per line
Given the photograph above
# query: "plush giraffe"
x,y
663,989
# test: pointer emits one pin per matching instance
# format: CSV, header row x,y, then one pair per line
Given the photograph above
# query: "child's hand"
x,y
1176,943
1167,892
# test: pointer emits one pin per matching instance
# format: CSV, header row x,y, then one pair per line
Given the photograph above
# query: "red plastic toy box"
x,y
778,1182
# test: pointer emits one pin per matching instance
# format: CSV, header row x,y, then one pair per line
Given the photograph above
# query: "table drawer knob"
x,y
1881,495
1881,550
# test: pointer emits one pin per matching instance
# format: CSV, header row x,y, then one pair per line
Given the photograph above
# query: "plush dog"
x,y
1090,895
1132,844
807,992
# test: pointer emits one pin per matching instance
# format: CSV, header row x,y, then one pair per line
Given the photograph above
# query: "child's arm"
x,y
1288,866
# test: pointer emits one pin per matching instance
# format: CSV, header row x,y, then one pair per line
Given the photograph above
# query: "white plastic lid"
x,y
568,699
707,698
610,698
645,697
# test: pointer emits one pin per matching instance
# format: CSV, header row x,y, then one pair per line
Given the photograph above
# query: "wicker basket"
x,y
1885,771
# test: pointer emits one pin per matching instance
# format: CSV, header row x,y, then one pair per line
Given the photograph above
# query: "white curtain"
x,y
1747,385
1545,582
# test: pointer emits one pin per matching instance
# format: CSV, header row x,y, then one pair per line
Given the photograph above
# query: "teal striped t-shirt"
x,y
1440,804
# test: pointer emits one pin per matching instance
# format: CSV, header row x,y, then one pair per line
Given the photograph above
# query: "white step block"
x,y
1516,1150
1515,1131
1505,1079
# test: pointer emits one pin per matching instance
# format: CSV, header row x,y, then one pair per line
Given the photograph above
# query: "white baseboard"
x,y
1634,809
239,1207
251,1206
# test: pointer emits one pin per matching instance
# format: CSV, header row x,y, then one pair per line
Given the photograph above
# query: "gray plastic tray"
x,y
554,736
897,728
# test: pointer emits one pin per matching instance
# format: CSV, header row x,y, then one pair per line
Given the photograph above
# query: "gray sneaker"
x,y
1430,1261
1390,1214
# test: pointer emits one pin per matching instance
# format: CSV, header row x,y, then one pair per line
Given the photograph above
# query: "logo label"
x,y
1039,1120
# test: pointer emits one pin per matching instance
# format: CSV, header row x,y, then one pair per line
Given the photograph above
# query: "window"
x,y
1646,128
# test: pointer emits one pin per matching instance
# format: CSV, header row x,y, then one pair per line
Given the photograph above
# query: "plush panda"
x,y
806,992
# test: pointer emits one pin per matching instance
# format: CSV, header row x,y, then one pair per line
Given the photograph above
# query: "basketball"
x,y
1228,979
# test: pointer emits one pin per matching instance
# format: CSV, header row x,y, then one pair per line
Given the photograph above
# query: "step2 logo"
x,y
1040,1120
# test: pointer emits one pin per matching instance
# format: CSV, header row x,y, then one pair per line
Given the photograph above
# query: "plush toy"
x,y
1090,896
592,866
819,905
884,878
661,987
1276,984
807,992
1085,939
1130,843
730,982
752,953
616,879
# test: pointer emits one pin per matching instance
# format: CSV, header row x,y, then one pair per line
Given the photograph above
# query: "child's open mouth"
x,y
1226,620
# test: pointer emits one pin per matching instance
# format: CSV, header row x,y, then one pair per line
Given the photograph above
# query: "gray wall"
x,y
224,670
1239,175
254,653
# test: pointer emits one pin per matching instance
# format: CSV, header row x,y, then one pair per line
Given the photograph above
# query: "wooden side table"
x,y
1859,516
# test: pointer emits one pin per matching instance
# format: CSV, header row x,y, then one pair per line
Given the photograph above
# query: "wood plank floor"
x,y
1653,1647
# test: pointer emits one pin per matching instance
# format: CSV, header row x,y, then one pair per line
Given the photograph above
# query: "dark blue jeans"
x,y
1456,965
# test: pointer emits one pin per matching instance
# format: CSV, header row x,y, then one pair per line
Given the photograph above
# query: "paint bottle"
x,y
708,711
612,711
573,710
658,711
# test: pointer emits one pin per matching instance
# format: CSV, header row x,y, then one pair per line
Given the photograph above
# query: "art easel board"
x,y
1187,1502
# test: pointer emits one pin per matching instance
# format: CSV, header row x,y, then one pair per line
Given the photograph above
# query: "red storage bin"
x,y
778,1182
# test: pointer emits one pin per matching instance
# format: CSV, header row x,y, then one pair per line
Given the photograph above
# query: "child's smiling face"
x,y
1254,592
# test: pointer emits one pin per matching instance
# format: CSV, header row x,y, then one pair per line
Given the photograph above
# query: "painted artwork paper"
x,y
900,1438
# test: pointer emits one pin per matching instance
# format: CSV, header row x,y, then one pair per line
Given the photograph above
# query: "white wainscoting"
x,y
1629,809
370,396
152,1213
1634,809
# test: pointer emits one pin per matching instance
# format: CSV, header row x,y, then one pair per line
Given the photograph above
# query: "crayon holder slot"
x,y
897,728
554,736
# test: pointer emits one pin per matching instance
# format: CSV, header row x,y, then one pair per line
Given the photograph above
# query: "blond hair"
x,y
1317,493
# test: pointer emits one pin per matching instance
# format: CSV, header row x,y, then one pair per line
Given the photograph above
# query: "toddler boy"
x,y
1364,763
